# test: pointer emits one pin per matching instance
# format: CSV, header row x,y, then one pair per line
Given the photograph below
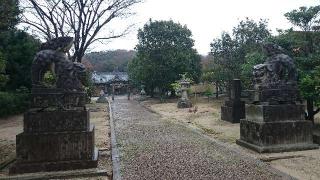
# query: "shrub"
x,y
13,103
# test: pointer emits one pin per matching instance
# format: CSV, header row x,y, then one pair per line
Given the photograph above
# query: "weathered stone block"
x,y
56,121
233,111
46,97
19,168
277,95
265,134
316,136
55,146
55,151
274,113
276,128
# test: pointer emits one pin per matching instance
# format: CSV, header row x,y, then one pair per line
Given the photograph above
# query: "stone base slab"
x,y
19,168
276,136
277,148
265,134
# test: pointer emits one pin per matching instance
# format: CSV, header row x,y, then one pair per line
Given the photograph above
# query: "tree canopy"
x,y
164,52
304,17
304,47
82,19
17,49
234,55
9,12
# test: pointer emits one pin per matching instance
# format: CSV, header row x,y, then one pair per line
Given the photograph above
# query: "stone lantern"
x,y
184,101
102,98
142,92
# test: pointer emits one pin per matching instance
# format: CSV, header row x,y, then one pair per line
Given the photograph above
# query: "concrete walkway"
x,y
153,148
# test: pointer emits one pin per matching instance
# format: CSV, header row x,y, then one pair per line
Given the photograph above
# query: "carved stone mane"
x,y
52,57
278,69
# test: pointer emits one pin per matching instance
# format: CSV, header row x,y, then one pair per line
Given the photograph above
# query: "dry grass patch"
x,y
207,117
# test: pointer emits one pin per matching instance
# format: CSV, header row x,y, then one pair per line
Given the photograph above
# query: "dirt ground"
x,y
206,117
11,126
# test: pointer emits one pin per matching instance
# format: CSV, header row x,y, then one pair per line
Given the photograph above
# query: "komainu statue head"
x,y
62,44
277,70
52,57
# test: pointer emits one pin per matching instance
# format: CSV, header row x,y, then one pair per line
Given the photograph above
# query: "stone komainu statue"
x,y
52,57
278,69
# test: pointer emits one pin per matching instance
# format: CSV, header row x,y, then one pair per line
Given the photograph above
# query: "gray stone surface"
x,y
72,174
62,146
316,135
57,133
66,146
56,121
233,111
184,101
234,108
53,53
48,97
154,148
274,119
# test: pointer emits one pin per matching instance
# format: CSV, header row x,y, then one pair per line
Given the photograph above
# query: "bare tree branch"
x,y
82,19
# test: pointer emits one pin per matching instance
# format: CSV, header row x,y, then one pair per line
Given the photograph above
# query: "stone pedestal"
x,y
275,120
57,135
276,128
234,109
184,103
316,138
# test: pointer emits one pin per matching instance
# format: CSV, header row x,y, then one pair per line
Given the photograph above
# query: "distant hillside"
x,y
107,61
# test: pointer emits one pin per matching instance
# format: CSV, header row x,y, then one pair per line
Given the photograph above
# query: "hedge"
x,y
13,103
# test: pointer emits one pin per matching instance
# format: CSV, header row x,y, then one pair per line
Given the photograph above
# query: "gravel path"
x,y
153,148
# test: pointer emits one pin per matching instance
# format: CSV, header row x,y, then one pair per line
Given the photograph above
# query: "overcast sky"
x,y
207,18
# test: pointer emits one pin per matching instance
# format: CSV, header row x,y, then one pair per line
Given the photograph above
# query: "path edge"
x,y
114,147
